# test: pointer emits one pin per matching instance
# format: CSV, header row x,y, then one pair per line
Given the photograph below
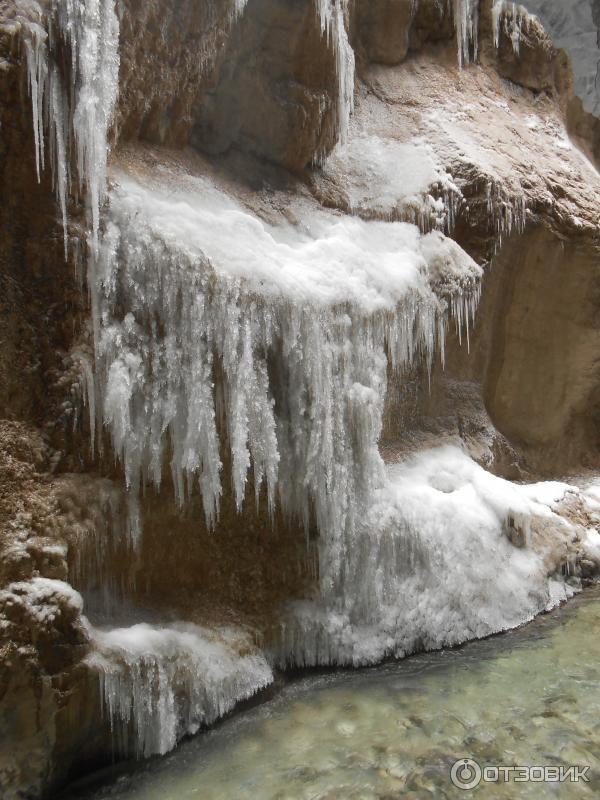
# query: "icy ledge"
x,y
159,684
214,324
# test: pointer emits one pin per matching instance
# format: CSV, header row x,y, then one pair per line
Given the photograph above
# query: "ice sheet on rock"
x,y
326,259
591,494
294,324
549,493
591,545
160,684
395,180
430,566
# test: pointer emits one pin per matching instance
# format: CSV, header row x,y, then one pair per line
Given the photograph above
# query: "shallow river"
x,y
529,697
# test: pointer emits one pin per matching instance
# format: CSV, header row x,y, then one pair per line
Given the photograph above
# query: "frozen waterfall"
x,y
226,334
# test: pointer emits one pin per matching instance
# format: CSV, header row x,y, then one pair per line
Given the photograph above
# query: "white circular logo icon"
x,y
466,774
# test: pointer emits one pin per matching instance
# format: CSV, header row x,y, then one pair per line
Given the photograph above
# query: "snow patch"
x,y
395,180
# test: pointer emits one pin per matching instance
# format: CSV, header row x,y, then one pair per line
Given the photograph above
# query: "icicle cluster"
x,y
466,23
506,213
191,357
511,18
74,117
160,684
332,14
465,14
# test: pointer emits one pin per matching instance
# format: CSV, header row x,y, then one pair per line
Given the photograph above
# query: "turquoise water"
x,y
529,697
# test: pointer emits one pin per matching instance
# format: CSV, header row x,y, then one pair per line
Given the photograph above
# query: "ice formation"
x,y
388,179
430,566
332,15
159,684
78,115
511,17
216,327
294,320
218,332
506,213
466,23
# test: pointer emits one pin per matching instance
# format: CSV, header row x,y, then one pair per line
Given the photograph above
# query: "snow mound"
x,y
433,564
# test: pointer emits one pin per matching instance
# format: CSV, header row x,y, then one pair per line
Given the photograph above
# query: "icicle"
x,y
160,684
37,66
332,15
91,29
466,23
513,17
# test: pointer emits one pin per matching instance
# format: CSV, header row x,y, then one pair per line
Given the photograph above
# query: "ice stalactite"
x,y
332,15
466,23
160,684
506,213
239,7
74,111
49,102
510,17
294,328
92,29
37,66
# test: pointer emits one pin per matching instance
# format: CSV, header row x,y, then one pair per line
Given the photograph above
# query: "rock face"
x,y
242,188
576,28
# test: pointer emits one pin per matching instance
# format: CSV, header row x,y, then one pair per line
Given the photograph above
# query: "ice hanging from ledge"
x,y
332,15
159,684
78,115
511,17
205,313
466,23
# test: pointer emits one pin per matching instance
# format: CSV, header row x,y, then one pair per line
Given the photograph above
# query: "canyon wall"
x,y
300,310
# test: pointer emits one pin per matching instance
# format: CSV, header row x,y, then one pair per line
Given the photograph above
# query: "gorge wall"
x,y
300,325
